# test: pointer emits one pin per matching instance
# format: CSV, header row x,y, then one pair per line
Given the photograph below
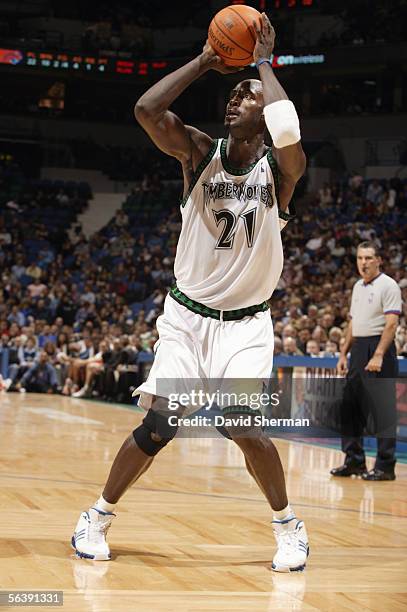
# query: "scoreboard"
x,y
64,61
74,62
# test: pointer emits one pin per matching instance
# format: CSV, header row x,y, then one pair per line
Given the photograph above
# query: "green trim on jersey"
x,y
228,167
199,171
286,216
241,410
274,169
213,313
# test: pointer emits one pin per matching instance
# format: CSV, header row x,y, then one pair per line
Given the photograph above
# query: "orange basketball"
x,y
232,36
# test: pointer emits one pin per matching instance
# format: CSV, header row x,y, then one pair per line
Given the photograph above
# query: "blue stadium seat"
x,y
136,308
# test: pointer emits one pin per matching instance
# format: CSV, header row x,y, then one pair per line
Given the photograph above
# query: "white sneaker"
x,y
81,393
89,538
7,383
292,545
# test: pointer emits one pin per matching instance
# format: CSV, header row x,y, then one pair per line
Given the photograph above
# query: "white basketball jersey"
x,y
229,252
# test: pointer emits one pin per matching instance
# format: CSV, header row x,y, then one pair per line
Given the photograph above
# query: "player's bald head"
x,y
257,84
254,85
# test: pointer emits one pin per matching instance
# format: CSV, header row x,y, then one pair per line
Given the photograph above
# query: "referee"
x,y
375,310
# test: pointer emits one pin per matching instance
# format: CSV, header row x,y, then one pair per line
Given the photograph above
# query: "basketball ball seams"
x,y
248,26
218,45
231,39
230,31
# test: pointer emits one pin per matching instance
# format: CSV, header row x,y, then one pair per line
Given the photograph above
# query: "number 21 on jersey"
x,y
228,222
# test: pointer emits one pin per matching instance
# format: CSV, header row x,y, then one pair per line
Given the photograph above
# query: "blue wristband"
x,y
262,60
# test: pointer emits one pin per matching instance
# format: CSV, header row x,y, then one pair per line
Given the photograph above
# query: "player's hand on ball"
x,y
342,366
265,38
214,62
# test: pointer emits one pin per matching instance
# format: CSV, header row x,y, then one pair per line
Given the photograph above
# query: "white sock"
x,y
103,505
284,514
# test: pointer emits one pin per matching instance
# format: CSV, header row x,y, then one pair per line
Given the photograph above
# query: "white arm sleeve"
x,y
282,123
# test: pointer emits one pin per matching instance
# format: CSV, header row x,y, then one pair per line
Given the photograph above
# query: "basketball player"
x,y
216,323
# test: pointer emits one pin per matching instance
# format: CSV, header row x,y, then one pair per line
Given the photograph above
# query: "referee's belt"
x,y
213,313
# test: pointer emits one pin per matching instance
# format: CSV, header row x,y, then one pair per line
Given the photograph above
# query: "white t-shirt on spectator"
x,y
314,243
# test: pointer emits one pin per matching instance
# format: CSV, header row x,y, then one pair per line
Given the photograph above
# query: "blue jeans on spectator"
x,y
40,378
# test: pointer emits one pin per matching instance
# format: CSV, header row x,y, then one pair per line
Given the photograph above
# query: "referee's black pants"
x,y
369,404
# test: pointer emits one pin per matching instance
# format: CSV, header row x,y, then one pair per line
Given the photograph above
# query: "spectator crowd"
x,y
77,314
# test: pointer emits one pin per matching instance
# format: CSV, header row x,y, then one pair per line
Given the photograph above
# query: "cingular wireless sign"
x,y
280,61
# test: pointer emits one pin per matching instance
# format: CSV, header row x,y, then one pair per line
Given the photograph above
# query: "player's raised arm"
x,y
165,128
280,115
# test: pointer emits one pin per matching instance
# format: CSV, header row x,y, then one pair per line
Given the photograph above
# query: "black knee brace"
x,y
223,432
238,411
155,425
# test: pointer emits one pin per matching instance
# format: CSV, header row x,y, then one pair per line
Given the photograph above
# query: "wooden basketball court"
x,y
194,533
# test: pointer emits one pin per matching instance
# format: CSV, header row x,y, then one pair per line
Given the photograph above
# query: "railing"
x,y
286,361
280,361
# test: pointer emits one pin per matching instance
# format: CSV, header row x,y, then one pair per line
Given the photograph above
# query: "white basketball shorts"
x,y
193,351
